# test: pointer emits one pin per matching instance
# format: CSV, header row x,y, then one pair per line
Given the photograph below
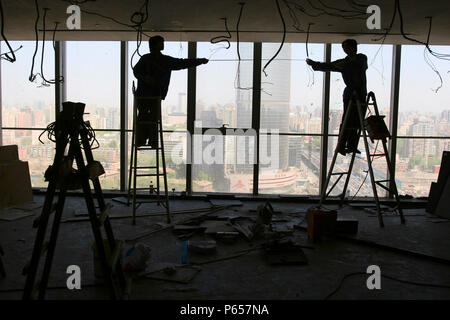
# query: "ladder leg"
x,y
163,157
347,180
43,221
392,184
38,243
133,146
52,243
102,205
157,169
333,161
134,184
94,221
369,162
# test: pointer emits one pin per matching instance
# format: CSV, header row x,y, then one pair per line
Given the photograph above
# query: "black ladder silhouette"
x,y
137,171
374,127
70,129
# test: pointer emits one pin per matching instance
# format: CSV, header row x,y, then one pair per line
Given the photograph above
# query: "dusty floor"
x,y
248,276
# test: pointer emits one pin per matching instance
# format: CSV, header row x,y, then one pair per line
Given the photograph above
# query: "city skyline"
x,y
297,97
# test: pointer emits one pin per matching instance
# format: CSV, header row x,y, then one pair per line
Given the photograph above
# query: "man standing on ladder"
x,y
153,72
353,69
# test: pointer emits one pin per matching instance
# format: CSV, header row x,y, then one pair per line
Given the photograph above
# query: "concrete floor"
x,y
248,276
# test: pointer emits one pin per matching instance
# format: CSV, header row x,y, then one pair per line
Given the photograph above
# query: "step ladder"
x,y
142,171
69,130
374,128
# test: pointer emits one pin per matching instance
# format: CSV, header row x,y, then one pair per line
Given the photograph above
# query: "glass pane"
x,y
224,163
38,155
422,110
291,91
379,60
301,173
174,107
418,163
109,156
359,184
93,78
224,85
24,103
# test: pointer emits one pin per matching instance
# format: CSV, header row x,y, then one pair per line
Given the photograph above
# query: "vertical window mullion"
x,y
325,117
256,108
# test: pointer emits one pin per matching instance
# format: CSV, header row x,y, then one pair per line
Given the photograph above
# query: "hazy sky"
x,y
93,70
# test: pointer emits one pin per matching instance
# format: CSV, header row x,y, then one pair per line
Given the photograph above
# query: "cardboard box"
x,y
15,182
9,153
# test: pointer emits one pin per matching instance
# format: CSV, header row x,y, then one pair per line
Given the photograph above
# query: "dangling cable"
x,y
282,40
32,76
45,81
242,4
6,55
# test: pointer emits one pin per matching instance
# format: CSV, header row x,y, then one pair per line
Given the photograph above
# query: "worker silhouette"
x,y
353,69
153,72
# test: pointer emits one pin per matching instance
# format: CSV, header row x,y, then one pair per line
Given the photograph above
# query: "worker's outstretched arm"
x,y
336,66
178,64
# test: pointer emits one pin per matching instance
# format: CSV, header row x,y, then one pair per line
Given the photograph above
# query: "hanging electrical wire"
x,y
242,4
310,71
225,38
6,56
138,18
45,81
282,40
32,76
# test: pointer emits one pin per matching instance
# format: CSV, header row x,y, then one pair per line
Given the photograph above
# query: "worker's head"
x,y
350,46
156,43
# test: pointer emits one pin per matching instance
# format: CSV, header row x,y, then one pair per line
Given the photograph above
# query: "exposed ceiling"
x,y
200,20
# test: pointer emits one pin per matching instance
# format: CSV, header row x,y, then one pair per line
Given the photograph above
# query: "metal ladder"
x,y
71,130
365,128
136,171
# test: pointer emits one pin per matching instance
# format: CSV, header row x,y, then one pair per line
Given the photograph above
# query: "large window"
x,y
224,98
423,112
224,143
93,77
174,118
291,102
28,105
379,61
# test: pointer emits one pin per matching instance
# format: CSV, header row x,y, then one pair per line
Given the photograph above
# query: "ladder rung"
x,y
377,154
148,174
382,181
148,148
144,167
104,214
339,173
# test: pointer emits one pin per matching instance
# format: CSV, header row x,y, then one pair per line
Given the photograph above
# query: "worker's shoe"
x,y
353,150
342,150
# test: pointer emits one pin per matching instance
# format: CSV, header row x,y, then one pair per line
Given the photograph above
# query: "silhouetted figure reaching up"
x,y
353,69
153,73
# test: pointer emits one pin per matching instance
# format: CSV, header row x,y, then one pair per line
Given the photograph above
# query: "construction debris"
x,y
284,252
182,274
202,247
